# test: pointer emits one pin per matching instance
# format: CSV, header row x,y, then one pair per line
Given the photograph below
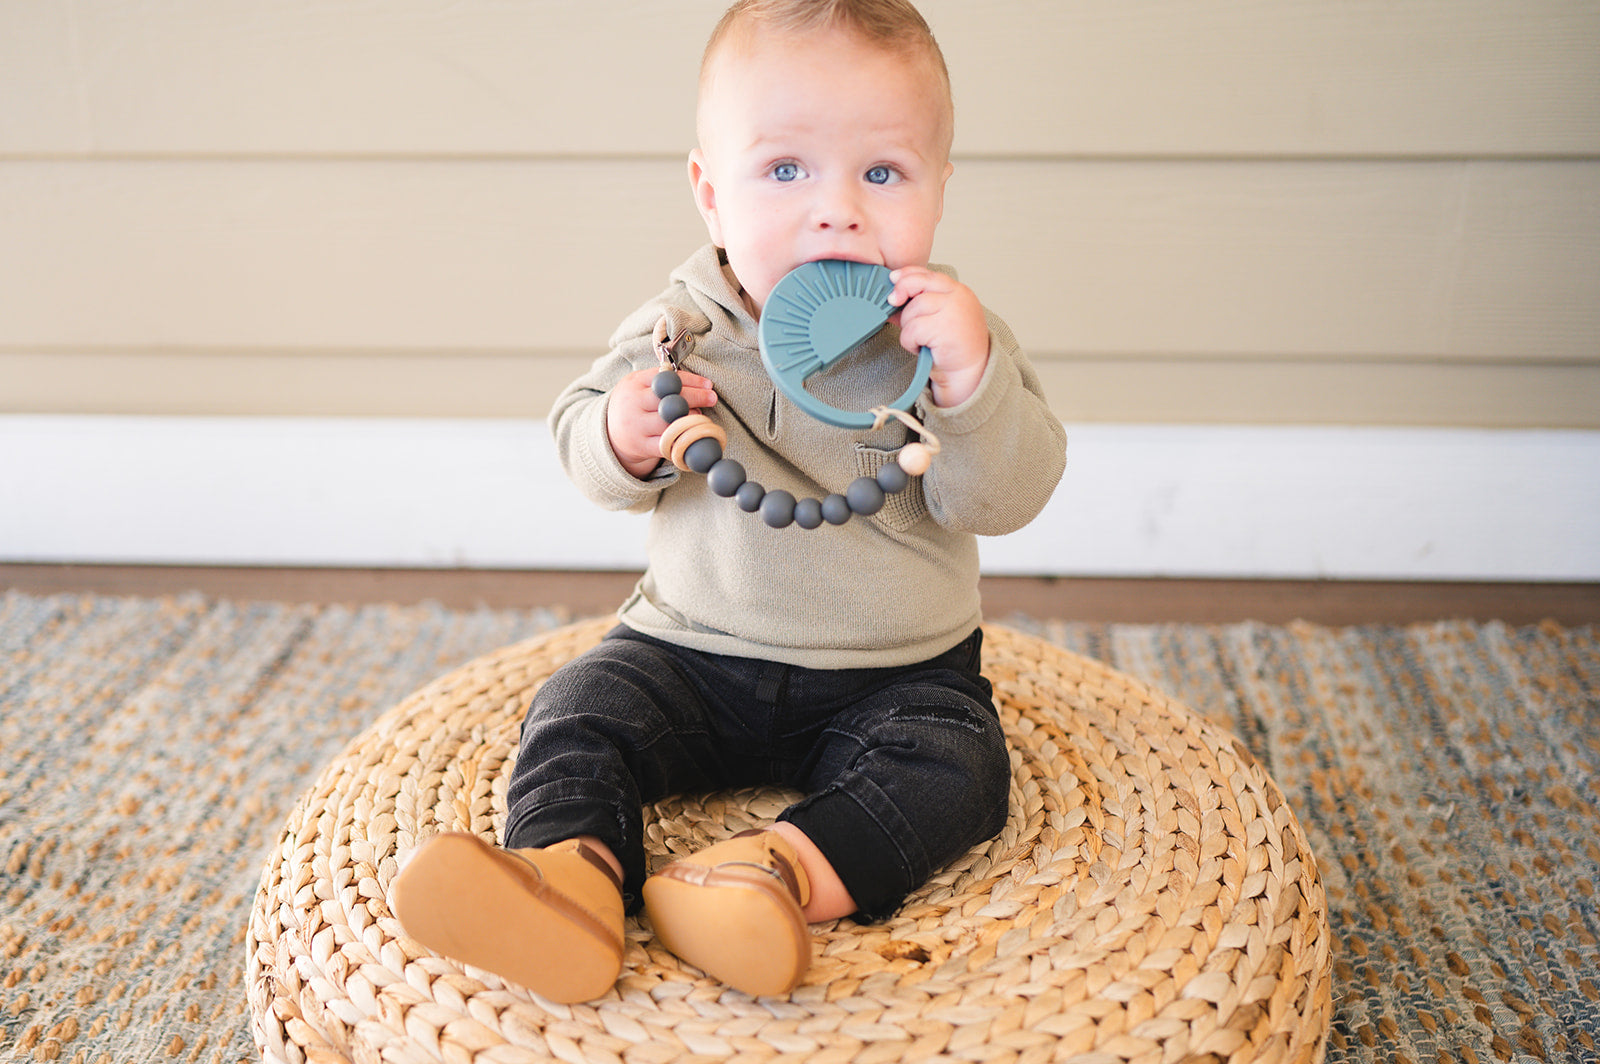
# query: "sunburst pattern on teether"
x,y
823,312
815,315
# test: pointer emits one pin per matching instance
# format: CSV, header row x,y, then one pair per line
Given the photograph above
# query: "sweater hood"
x,y
700,298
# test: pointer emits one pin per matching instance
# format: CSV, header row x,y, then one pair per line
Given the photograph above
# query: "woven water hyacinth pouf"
x,y
1151,899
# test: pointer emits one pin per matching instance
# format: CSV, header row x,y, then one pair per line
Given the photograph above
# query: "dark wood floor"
x,y
587,593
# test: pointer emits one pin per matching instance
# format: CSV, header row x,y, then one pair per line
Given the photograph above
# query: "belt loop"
x,y
770,684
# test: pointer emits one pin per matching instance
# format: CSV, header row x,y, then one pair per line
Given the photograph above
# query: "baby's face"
x,y
819,146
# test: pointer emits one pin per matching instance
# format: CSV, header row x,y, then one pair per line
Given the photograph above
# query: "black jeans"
x,y
904,769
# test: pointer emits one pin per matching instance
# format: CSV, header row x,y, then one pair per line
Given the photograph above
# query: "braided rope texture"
x,y
1152,899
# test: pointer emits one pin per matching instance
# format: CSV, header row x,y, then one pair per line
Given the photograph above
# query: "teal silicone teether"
x,y
814,316
817,314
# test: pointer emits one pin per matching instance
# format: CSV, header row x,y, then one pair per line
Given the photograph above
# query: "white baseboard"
x,y
1137,500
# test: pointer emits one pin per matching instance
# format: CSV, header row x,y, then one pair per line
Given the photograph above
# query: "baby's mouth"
x,y
837,256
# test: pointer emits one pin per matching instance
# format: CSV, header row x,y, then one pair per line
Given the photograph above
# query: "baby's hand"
x,y
634,424
943,315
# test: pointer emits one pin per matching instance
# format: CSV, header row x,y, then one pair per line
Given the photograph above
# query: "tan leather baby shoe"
x,y
550,919
733,910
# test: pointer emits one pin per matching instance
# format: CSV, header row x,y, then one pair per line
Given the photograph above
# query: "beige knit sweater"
x,y
887,590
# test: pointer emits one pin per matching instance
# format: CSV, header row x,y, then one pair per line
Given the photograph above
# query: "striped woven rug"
x,y
1445,774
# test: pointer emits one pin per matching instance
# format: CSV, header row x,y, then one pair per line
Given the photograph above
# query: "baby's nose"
x,y
838,209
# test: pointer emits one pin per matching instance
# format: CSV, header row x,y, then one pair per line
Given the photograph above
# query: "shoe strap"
x,y
780,868
599,862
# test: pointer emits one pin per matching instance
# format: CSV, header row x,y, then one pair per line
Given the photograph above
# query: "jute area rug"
x,y
150,749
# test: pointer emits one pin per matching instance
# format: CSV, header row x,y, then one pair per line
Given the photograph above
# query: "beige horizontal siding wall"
x,y
1312,211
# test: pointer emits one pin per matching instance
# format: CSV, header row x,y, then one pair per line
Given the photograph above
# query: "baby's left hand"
x,y
943,315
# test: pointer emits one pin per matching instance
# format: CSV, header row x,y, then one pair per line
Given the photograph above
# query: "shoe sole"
x,y
735,923
491,909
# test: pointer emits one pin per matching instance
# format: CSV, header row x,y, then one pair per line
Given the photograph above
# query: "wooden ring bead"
x,y
678,428
705,429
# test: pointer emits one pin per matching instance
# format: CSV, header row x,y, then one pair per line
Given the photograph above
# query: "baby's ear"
x,y
705,195
949,168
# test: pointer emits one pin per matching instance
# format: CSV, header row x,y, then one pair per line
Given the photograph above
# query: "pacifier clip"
x,y
816,314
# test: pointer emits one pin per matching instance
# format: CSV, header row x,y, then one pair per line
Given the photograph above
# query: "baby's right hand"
x,y
634,424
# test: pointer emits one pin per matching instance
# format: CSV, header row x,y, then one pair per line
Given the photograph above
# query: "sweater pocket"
x,y
902,509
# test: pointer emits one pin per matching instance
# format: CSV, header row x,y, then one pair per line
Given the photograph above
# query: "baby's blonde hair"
x,y
893,25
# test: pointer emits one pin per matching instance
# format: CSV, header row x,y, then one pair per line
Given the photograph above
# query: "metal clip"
x,y
667,344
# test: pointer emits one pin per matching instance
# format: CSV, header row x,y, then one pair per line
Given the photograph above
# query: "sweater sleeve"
x,y
578,421
1003,450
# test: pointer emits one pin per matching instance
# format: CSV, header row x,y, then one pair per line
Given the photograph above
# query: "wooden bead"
x,y
680,447
678,428
915,458
699,427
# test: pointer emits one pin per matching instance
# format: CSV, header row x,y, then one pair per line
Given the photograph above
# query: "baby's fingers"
x,y
912,281
697,390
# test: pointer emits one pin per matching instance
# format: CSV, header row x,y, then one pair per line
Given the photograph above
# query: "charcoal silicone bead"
x,y
865,496
666,383
725,478
891,478
702,454
808,513
673,407
749,495
835,509
777,509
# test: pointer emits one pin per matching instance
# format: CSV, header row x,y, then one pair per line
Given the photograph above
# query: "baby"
x,y
841,662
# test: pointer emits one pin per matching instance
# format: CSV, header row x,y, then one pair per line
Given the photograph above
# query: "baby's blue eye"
x,y
880,175
786,171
